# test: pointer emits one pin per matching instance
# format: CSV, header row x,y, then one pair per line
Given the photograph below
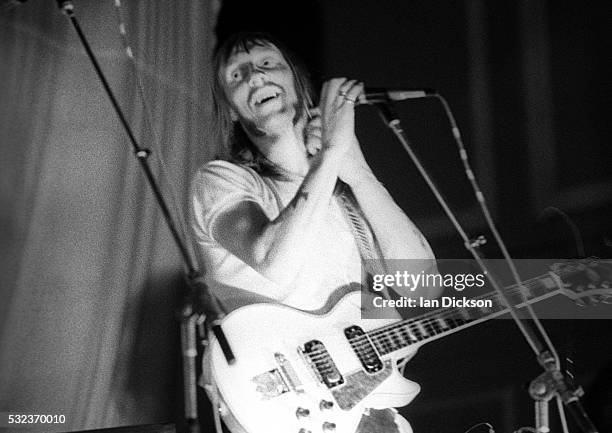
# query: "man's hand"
x,y
338,97
313,131
340,110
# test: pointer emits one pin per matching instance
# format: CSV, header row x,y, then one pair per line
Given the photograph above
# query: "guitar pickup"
x,y
364,349
322,363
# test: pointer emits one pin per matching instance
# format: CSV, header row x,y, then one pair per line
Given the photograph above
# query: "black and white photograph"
x,y
315,216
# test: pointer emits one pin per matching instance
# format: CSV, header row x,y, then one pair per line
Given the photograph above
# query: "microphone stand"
x,y
199,300
548,384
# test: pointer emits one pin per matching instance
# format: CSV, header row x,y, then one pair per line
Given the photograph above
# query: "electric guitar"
x,y
297,372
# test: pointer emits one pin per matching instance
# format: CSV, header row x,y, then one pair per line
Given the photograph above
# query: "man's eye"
x,y
266,63
235,75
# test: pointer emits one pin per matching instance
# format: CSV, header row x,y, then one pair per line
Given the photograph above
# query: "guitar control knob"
x,y
326,405
302,413
329,426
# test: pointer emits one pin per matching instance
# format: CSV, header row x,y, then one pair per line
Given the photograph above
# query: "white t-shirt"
x,y
331,270
332,267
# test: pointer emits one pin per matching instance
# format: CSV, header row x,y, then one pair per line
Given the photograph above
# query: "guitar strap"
x,y
373,421
369,250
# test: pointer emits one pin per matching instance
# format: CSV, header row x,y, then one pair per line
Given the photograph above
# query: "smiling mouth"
x,y
266,99
266,95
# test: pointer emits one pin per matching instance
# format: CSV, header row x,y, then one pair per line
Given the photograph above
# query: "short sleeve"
x,y
219,185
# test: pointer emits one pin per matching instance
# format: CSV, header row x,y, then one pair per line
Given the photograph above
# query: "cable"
x,y
578,241
491,224
475,426
561,409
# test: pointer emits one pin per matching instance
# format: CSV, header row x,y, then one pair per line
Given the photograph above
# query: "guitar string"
x,y
396,336
361,341
420,324
400,337
416,324
358,344
387,337
410,337
441,314
400,334
427,328
416,330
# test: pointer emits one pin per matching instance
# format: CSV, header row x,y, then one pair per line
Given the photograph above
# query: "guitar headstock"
x,y
587,281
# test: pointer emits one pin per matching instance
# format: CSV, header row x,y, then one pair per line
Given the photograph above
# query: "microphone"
x,y
373,95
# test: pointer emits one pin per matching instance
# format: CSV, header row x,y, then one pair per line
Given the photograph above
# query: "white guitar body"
x,y
297,372
275,387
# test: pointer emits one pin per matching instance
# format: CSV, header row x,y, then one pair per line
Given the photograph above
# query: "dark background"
x,y
527,82
90,279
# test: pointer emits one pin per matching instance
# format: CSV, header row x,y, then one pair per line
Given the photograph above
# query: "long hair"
x,y
235,143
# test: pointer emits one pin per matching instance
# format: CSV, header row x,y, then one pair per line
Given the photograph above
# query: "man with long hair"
x,y
292,209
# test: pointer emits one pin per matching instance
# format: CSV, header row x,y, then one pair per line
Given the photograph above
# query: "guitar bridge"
x,y
288,373
270,384
279,380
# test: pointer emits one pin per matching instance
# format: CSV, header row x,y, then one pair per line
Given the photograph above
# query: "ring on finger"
x,y
349,100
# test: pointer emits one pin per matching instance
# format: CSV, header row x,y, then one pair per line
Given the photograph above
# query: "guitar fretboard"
x,y
437,323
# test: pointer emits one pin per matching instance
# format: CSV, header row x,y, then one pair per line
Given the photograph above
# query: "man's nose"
x,y
256,76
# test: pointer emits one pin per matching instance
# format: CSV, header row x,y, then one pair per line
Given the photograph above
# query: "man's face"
x,y
260,86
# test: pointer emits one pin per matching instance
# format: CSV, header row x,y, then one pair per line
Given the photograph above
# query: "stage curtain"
x,y
89,272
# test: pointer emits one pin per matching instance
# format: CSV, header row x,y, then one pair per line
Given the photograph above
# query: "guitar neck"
x,y
442,322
